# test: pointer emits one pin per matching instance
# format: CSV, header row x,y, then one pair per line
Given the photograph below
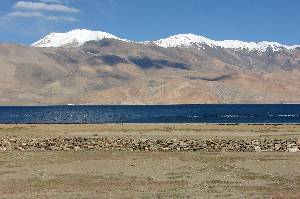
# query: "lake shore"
x,y
147,131
149,174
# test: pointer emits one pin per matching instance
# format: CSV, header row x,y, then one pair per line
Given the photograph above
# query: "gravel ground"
x,y
100,174
149,175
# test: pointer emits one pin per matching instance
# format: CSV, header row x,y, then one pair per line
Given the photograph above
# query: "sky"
x,y
26,21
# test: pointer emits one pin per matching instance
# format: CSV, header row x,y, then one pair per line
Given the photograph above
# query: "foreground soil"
x,y
152,131
116,174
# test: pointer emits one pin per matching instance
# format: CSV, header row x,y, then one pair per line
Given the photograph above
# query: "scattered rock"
x,y
118,144
257,148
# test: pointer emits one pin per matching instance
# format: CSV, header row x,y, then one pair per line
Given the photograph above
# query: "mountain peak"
x,y
75,37
182,40
78,37
191,40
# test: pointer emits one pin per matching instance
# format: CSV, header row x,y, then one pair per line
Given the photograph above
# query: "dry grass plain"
x,y
99,174
140,131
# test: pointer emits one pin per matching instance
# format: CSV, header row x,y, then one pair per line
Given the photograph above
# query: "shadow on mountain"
x,y
289,66
111,60
62,58
114,76
214,79
148,63
101,43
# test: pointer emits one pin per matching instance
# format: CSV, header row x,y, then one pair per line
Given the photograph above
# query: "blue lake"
x,y
150,114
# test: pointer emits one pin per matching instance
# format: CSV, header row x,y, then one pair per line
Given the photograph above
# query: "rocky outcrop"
x,y
120,144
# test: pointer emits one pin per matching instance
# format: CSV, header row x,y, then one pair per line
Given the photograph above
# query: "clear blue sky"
x,y
250,20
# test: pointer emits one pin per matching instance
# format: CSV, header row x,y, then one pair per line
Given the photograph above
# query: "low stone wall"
x,y
118,144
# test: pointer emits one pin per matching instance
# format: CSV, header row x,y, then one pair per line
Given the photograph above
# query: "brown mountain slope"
x,y
116,72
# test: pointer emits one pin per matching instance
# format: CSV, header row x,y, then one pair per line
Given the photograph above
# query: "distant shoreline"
x,y
205,104
162,124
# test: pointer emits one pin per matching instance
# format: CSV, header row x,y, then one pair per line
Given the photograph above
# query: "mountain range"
x,y
94,67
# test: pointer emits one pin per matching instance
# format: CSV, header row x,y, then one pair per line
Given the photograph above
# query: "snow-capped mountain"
x,y
76,37
182,69
191,40
80,36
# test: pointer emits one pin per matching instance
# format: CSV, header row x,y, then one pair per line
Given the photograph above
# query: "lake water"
x,y
150,114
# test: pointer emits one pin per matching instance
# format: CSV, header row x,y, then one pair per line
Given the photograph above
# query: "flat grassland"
x,y
100,174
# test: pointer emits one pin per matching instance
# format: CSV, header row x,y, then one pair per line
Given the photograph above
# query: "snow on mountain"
x,y
80,36
191,40
76,37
